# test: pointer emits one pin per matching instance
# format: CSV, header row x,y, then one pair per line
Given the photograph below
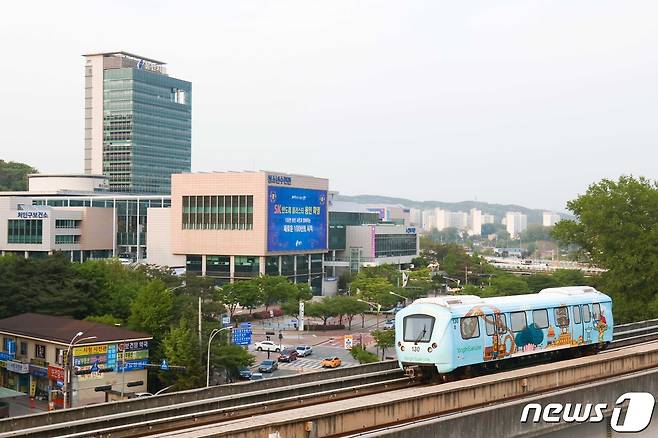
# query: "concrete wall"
x,y
78,183
158,239
96,228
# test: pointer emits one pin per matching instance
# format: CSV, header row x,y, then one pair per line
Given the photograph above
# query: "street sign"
x,y
245,325
94,367
226,320
301,316
242,336
164,366
348,342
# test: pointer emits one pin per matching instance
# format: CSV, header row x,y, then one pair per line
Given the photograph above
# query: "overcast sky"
x,y
501,101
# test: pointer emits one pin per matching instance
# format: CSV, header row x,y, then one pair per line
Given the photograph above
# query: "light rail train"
x,y
449,334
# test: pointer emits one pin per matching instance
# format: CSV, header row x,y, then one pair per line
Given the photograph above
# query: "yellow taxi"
x,y
331,362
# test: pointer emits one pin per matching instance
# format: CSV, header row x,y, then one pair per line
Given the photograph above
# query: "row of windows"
x,y
230,212
67,223
24,231
470,326
67,239
39,350
395,245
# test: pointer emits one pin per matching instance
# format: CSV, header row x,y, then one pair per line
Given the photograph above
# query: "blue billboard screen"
x,y
296,219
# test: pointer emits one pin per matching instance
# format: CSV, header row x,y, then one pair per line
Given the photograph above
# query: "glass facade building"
x,y
144,132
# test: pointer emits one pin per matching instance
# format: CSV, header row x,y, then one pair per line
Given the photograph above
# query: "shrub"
x,y
363,355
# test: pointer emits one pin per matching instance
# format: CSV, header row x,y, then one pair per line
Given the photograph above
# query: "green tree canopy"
x,y
13,175
617,228
384,339
151,311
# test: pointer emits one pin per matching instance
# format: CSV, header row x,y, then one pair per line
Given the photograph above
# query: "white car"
x,y
269,346
304,350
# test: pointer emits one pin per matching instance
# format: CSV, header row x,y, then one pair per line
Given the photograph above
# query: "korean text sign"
x,y
296,219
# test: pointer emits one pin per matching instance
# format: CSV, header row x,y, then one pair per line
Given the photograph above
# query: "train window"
x,y
470,327
596,310
489,324
576,315
518,320
540,318
418,328
586,314
562,316
501,323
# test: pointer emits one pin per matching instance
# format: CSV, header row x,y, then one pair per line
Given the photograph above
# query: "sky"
x,y
499,101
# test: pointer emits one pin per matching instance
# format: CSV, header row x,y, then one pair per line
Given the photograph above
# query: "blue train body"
x,y
455,331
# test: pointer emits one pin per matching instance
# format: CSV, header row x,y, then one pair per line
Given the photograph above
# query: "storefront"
x,y
56,379
39,383
18,376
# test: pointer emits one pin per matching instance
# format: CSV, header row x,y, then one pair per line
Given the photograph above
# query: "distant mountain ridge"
x,y
498,210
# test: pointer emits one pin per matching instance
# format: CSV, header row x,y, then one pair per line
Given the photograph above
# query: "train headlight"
x,y
399,343
434,345
429,349
402,348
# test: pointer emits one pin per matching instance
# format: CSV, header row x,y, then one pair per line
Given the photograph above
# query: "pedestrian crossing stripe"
x,y
309,364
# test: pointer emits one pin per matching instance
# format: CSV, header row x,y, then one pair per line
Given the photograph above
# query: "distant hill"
x,y
498,210
13,175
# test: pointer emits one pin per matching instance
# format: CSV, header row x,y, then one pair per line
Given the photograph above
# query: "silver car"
x,y
304,350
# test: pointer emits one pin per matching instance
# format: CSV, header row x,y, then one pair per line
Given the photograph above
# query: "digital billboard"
x,y
296,219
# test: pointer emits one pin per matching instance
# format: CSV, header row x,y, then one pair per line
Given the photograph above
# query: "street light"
x,y
212,335
401,296
69,364
378,306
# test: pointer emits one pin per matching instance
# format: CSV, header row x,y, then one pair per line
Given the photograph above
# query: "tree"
x,y
275,289
320,309
347,306
231,358
181,348
362,355
373,289
617,229
384,339
151,311
13,175
105,319
537,282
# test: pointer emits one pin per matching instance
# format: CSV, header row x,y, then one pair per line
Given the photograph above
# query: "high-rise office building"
x,y
138,122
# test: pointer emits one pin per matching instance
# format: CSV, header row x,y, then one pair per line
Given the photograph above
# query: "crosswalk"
x,y
307,364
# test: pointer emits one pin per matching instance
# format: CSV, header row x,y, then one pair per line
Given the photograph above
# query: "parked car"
x,y
267,366
269,346
389,325
331,362
304,350
256,376
288,355
244,374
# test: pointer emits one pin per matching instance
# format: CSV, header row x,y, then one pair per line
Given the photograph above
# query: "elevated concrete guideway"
x,y
374,412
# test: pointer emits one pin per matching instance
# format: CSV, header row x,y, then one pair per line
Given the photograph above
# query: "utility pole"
x,y
200,353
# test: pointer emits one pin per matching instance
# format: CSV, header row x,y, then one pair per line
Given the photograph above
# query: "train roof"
x,y
459,305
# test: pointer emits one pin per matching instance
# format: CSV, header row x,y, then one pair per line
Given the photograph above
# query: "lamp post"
x,y
375,305
213,333
68,370
401,296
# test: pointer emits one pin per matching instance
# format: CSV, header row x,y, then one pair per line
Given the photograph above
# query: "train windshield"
x,y
418,328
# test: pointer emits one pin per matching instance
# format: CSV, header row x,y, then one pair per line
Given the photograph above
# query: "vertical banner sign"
x,y
33,387
301,316
372,242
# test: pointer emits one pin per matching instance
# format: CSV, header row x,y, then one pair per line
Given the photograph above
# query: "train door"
x,y
577,328
588,326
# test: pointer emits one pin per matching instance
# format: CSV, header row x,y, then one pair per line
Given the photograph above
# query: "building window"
x,y
24,231
59,356
23,348
67,223
40,351
193,264
395,245
67,239
218,212
246,266
272,265
218,265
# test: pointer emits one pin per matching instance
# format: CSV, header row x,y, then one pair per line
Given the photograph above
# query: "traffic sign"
x,y
242,336
94,367
164,366
348,342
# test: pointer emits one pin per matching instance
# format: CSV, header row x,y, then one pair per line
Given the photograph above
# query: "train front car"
x,y
423,340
